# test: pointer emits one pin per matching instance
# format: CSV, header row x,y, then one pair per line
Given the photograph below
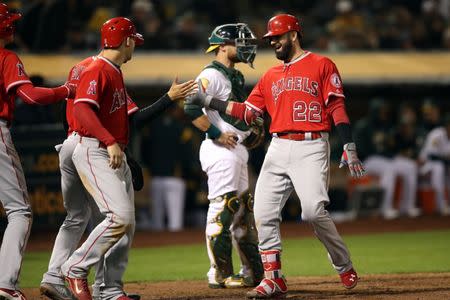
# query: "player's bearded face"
x,y
232,54
282,45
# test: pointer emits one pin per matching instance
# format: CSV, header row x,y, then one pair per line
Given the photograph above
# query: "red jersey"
x,y
74,78
296,94
12,75
101,85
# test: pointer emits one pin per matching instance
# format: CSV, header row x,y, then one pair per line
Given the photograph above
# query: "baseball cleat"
x,y
133,296
56,291
239,281
6,294
79,288
216,285
269,289
349,279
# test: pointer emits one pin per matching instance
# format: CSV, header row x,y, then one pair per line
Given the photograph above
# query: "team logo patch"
x,y
336,80
119,99
92,89
20,70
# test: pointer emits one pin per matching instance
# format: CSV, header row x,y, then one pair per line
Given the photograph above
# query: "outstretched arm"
x,y
241,111
176,92
38,95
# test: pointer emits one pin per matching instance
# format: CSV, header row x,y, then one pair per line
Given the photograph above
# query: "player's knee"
x,y
23,212
125,219
313,212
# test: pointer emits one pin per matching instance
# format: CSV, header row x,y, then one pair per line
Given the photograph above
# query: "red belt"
x,y
299,136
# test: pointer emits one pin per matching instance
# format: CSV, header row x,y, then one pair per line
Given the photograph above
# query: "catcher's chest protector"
x,y
238,93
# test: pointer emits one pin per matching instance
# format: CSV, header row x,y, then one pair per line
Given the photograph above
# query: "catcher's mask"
x,y
238,34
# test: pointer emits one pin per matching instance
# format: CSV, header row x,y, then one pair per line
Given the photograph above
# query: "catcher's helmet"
x,y
7,21
115,30
238,34
281,24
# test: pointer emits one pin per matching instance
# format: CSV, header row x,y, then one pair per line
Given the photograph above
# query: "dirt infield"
x,y
393,286
399,286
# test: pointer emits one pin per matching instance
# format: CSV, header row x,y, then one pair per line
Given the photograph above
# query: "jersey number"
x,y
303,112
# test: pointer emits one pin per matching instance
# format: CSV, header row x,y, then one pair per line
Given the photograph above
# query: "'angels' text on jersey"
x,y
303,84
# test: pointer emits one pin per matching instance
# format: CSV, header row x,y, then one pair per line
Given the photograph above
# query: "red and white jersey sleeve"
x,y
12,75
13,71
256,99
131,106
91,87
332,82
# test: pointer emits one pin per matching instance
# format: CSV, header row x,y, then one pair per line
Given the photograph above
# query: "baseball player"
x,y
435,159
301,96
78,203
13,191
101,121
224,159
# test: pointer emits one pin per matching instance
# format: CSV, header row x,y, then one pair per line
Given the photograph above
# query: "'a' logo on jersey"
x,y
92,89
20,70
119,100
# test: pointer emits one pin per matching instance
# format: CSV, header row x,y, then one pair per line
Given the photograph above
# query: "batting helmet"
x,y
238,34
7,21
115,30
281,24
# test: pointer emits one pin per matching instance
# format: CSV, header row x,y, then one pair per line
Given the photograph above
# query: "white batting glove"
x,y
350,158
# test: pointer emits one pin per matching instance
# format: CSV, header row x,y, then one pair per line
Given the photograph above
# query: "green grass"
x,y
371,254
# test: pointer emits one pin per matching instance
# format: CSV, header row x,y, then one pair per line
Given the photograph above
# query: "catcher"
x,y
224,156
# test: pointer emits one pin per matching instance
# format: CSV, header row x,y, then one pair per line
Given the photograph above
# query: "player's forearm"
x,y
235,109
38,95
151,111
88,119
336,108
203,124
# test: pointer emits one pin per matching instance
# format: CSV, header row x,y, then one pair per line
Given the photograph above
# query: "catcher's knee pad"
x,y
218,235
246,236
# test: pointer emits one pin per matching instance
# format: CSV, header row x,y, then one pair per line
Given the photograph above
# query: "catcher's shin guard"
x,y
218,236
246,237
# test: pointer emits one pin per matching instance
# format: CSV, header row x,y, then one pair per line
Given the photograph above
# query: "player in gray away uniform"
x,y
302,96
224,159
80,205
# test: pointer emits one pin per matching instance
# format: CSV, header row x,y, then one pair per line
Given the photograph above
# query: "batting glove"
x,y
199,98
350,158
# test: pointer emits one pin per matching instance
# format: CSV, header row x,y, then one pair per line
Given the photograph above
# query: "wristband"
x,y
213,132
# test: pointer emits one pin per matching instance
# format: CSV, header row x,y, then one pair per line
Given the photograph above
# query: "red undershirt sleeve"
x,y
336,109
85,115
38,95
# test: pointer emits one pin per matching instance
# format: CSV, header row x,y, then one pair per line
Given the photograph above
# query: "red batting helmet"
x,y
115,30
281,24
7,21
